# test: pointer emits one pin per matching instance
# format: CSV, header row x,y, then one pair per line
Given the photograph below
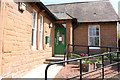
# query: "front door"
x,y
60,39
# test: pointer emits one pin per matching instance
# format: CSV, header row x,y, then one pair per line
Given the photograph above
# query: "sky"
x,y
46,2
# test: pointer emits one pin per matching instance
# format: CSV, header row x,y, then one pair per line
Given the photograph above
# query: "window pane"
x,y
94,33
90,32
91,42
97,28
32,36
41,18
34,18
41,22
97,32
96,41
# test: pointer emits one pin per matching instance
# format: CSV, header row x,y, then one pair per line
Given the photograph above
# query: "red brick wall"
x,y
18,56
108,36
1,33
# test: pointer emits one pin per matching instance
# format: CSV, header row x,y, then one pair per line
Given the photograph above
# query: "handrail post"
x,y
80,69
118,61
102,66
64,56
107,49
46,72
110,57
88,51
64,53
67,52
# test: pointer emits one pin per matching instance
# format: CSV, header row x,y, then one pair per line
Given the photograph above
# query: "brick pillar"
x,y
69,33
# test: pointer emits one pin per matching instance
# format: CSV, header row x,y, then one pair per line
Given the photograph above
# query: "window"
x,y
41,32
34,30
94,36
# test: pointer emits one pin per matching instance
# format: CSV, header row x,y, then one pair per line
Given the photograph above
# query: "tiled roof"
x,y
93,11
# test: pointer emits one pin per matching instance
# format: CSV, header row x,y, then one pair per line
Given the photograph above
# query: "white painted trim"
x,y
99,37
34,46
94,47
41,34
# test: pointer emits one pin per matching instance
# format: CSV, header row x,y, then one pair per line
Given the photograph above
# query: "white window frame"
x,y
89,36
34,26
41,33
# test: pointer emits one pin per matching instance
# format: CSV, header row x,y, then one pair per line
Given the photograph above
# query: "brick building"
x,y
30,34
96,24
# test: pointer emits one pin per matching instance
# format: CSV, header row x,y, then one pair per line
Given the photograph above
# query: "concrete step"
x,y
55,59
48,62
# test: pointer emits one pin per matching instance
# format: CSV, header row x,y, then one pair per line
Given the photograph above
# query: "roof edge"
x,y
48,11
99,22
75,3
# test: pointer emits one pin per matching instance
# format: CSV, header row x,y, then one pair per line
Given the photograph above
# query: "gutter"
x,y
74,27
98,21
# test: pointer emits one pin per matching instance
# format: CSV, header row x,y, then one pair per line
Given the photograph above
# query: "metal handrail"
x,y
81,74
67,49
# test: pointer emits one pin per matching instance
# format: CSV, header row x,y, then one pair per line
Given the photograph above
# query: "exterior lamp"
x,y
50,25
22,6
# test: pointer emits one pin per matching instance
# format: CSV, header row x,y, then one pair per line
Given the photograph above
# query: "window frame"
x,y
34,34
41,35
93,36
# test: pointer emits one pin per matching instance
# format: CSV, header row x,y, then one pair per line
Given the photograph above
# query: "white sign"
x,y
60,38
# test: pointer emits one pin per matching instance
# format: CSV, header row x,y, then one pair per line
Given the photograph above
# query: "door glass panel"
x,y
58,37
63,37
64,25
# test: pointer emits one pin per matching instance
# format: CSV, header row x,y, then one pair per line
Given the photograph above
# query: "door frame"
x,y
55,34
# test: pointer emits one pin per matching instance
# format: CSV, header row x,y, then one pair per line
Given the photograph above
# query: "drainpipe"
x,y
74,27
73,37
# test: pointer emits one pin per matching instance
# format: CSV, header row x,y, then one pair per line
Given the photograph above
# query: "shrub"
x,y
75,55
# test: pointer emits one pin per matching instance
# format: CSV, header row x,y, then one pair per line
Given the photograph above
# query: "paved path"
x,y
39,72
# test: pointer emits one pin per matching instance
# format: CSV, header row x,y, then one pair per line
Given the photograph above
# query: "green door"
x,y
60,39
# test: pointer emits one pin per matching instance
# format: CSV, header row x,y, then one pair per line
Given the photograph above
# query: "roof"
x,y
26,0
45,9
93,11
62,15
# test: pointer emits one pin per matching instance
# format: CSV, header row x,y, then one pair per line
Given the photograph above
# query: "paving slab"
x,y
39,72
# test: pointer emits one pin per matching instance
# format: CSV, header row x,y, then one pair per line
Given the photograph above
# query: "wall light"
x,y
22,6
50,25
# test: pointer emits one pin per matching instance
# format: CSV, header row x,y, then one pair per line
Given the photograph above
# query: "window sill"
x,y
94,47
